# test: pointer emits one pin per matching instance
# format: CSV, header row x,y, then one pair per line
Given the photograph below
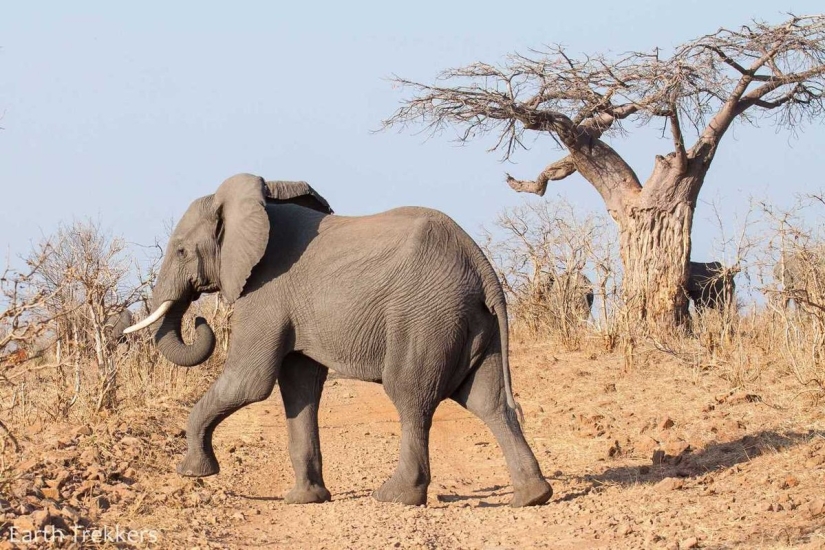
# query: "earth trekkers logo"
x,y
80,534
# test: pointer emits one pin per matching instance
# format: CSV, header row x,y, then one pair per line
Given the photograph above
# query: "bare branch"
x,y
793,54
769,70
678,141
556,171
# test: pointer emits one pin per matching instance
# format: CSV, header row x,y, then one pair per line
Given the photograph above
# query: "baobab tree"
x,y
695,94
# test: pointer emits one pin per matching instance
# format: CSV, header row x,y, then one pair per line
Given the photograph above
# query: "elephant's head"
x,y
116,324
213,248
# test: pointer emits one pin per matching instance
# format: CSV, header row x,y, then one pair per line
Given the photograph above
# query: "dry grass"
x,y
777,328
744,388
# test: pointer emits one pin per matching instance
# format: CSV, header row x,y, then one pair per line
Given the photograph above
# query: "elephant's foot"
x,y
198,464
307,495
393,491
534,493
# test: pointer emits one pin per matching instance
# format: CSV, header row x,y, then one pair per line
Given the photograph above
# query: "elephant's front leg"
x,y
251,369
301,381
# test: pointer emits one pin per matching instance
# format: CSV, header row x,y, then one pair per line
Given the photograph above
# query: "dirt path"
x,y
657,458
360,438
664,456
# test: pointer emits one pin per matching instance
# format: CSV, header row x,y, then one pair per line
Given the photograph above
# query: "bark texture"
x,y
655,249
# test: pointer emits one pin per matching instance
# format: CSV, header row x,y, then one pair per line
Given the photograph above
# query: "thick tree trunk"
x,y
654,219
655,250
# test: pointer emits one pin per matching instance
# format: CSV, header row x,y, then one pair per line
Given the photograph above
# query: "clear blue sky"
x,y
127,112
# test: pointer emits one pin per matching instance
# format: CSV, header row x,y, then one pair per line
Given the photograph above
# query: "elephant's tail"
x,y
499,309
497,304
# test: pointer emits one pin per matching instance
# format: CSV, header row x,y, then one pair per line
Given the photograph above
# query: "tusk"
x,y
157,314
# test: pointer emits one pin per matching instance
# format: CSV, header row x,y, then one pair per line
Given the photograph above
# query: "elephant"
x,y
570,291
710,285
404,298
802,274
116,324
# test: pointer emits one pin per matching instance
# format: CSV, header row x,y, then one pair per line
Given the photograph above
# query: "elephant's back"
x,y
401,219
399,258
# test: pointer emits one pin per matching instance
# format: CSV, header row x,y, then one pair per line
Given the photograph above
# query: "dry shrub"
x,y
796,294
775,324
548,257
779,329
58,359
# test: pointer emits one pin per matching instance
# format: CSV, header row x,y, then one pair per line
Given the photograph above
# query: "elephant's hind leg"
x,y
249,376
415,396
409,482
301,382
482,393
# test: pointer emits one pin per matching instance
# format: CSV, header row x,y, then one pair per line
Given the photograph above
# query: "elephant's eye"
x,y
181,252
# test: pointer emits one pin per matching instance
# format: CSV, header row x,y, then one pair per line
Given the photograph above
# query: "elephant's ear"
x,y
296,192
240,201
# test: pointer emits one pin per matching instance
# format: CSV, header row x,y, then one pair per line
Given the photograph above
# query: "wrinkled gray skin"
x,y
797,271
710,286
404,298
116,324
568,285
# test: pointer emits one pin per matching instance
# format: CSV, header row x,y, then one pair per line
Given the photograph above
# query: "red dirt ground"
x,y
664,456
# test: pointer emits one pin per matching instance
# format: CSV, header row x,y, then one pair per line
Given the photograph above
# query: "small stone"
x,y
691,542
666,423
670,484
677,448
27,465
817,507
40,518
88,456
24,524
767,507
624,530
790,481
814,462
70,513
58,481
83,431
51,493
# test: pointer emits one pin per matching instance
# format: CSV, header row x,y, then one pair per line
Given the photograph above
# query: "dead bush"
x,y
556,266
58,357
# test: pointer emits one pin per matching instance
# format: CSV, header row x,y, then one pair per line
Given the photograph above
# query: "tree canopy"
x,y
756,71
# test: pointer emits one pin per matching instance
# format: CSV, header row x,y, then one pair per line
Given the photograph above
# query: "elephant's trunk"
x,y
170,340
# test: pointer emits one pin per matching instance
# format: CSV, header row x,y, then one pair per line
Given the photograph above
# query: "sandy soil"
x,y
663,457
